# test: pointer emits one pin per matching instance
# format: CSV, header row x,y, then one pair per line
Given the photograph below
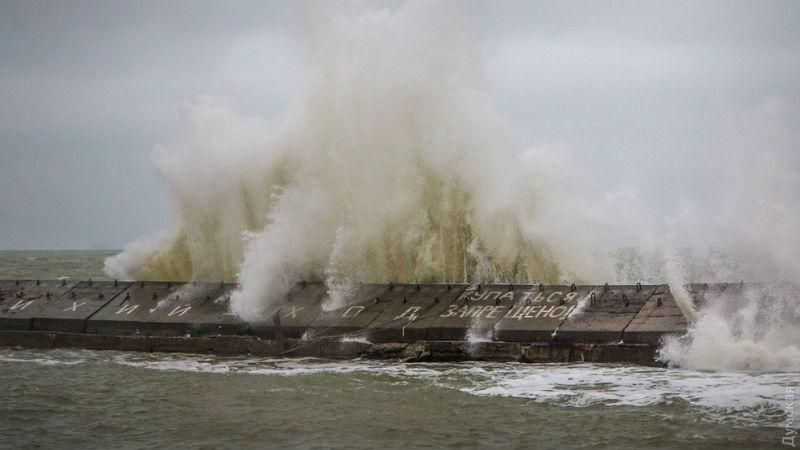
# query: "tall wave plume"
x,y
391,164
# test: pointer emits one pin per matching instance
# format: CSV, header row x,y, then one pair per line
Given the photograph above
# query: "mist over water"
x,y
393,164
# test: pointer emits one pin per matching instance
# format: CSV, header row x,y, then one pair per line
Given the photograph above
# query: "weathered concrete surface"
x,y
512,351
659,317
20,301
537,313
464,351
69,312
579,352
126,314
410,322
475,312
337,349
301,306
166,309
362,306
211,314
604,318
432,351
219,345
410,310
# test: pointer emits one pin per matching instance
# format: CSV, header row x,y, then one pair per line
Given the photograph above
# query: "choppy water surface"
x,y
85,399
52,264
89,399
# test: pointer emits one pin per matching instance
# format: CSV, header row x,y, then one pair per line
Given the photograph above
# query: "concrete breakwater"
x,y
426,322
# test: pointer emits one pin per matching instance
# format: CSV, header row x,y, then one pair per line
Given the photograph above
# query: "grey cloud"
x,y
638,90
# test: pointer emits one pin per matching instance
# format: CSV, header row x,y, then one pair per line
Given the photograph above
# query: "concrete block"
x,y
125,314
302,348
211,315
475,312
361,307
69,312
338,349
179,344
263,347
230,345
495,351
85,341
546,352
165,309
658,317
298,309
604,318
20,301
536,315
409,311
28,339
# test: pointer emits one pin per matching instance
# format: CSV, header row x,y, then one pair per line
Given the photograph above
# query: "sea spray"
x,y
223,175
756,329
391,164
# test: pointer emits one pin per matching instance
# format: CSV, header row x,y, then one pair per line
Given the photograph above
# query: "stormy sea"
x,y
394,161
108,399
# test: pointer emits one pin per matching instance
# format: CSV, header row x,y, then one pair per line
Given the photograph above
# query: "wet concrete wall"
x,y
418,322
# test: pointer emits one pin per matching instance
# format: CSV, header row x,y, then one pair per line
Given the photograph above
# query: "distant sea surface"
x,y
52,264
60,399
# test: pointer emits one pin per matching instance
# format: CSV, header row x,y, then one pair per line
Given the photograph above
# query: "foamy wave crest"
x,y
391,164
753,398
757,330
43,358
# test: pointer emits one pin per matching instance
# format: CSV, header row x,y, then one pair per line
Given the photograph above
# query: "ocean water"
x,y
52,264
100,400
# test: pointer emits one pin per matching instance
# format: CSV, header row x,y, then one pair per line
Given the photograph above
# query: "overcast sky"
x,y
87,88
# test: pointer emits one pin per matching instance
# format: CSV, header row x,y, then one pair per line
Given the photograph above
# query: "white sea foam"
x,y
57,358
40,361
589,384
741,398
356,338
576,385
747,398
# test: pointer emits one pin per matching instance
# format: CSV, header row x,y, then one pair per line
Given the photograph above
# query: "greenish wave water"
x,y
52,264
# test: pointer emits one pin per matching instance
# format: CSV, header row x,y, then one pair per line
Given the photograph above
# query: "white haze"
x,y
393,163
